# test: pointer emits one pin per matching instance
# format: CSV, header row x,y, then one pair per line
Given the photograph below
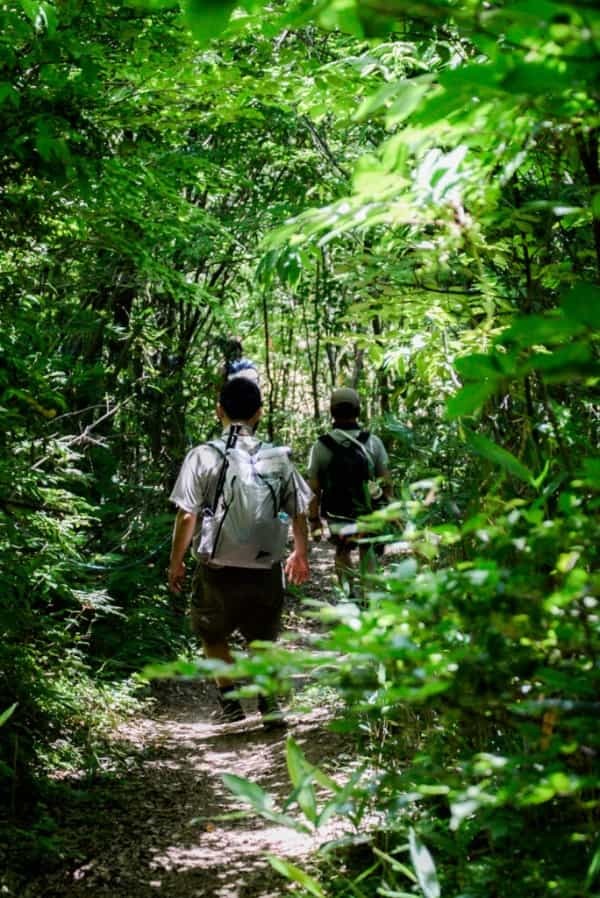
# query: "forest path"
x,y
145,829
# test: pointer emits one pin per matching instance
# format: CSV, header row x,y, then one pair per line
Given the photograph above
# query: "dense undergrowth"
x,y
472,681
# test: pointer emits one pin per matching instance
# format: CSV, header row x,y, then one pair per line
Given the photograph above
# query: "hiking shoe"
x,y
272,714
230,708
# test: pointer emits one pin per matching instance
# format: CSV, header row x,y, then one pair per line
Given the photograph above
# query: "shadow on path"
x,y
150,828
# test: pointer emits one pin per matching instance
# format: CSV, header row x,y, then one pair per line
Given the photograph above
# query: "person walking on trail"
x,y
235,364
235,497
348,474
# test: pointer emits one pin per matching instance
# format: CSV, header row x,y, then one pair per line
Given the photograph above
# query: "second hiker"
x,y
348,473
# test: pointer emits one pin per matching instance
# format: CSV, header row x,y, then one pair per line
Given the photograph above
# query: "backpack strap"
x,y
334,446
231,441
328,441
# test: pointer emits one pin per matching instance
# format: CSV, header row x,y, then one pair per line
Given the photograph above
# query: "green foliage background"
x,y
402,196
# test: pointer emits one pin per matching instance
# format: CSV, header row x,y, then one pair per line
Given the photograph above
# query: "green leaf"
x,y
424,867
170,669
398,429
573,358
582,304
539,329
249,791
395,864
376,102
594,867
295,874
296,762
300,772
385,892
153,4
343,16
542,78
289,267
7,714
461,810
469,398
407,100
8,93
261,801
591,468
477,366
207,18
471,79
499,456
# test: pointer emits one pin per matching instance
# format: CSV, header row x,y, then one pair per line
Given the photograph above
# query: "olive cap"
x,y
345,396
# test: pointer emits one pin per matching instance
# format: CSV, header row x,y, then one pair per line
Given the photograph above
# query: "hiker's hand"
x,y
178,604
176,577
296,569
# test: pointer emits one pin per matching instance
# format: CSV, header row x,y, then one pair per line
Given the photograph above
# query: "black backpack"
x,y
345,482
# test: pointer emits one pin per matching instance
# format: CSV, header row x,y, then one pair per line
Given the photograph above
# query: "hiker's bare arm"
x,y
314,517
387,487
183,533
296,567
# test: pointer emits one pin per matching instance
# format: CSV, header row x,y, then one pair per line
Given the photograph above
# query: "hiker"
x,y
235,364
235,497
348,474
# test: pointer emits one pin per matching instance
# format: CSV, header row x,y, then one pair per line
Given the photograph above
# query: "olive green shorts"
x,y
234,598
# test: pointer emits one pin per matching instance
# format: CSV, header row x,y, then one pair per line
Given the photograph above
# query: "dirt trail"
x,y
146,830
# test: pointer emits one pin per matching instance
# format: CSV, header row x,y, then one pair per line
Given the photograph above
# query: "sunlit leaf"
x,y
564,361
539,329
5,715
594,867
395,864
301,777
499,456
251,792
296,762
477,366
153,4
469,398
424,866
207,18
406,101
296,874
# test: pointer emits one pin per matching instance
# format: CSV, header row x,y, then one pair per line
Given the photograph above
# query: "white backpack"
x,y
245,526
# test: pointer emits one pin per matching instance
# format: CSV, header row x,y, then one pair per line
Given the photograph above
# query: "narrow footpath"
x,y
148,827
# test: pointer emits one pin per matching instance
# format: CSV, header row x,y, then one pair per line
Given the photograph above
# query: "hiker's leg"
x,y
260,621
368,565
219,651
211,623
231,708
344,567
368,559
258,615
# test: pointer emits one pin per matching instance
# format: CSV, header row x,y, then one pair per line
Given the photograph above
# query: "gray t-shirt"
x,y
196,484
320,456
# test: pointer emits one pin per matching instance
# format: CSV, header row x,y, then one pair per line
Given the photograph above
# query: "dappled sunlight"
x,y
240,849
165,823
158,829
